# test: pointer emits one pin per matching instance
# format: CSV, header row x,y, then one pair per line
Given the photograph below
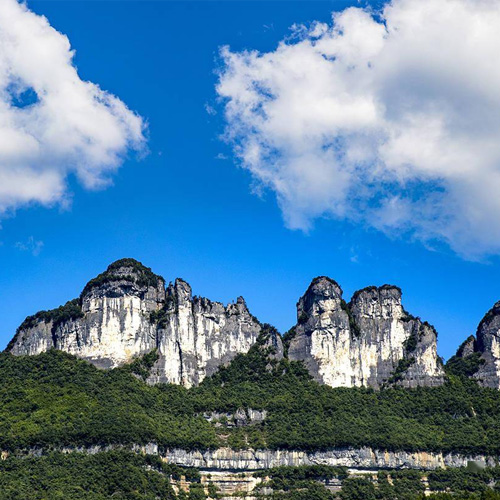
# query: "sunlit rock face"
x,y
488,345
126,312
196,336
109,325
371,341
360,458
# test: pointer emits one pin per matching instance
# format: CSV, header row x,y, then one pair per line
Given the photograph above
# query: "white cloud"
x,y
52,123
388,119
30,245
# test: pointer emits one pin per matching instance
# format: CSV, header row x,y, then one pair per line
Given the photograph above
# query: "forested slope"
x,y
54,400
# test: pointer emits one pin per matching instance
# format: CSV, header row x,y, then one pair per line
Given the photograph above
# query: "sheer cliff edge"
x,y
128,311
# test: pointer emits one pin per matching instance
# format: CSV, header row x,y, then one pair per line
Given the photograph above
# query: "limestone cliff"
x,y
479,357
250,459
369,342
126,312
196,335
356,458
488,345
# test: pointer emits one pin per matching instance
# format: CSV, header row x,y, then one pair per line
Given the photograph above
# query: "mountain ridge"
x,y
372,341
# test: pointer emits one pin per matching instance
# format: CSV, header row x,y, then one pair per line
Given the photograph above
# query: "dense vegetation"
x,y
141,275
466,365
129,476
287,480
311,483
55,399
116,474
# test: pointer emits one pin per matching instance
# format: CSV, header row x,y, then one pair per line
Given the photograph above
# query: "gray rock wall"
x,y
224,459
197,336
126,312
368,342
362,458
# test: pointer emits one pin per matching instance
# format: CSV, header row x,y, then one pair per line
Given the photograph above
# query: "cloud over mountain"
x,y
390,119
52,123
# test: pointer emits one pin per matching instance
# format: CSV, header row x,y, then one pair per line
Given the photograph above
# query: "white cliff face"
x,y
112,325
115,330
126,312
223,459
488,346
358,458
197,336
369,342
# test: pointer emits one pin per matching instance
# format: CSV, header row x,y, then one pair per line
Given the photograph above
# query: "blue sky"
x,y
187,208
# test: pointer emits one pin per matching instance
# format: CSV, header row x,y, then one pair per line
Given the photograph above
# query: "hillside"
x,y
54,400
408,426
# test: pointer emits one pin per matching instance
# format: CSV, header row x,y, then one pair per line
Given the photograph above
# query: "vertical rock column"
x,y
323,339
488,345
371,341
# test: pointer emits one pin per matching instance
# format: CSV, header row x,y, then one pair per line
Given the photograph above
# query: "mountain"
x,y
352,403
127,311
479,356
370,341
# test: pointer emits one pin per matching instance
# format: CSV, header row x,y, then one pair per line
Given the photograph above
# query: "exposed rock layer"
x,y
250,459
361,458
368,342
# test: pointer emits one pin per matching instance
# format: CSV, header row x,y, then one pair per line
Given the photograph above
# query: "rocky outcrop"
x,y
250,459
109,325
371,341
488,345
126,312
479,357
196,336
357,458
241,418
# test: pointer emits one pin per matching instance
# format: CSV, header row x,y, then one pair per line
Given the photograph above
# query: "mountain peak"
x,y
125,272
371,341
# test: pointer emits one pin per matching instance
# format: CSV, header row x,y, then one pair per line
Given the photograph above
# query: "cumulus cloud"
x,y
390,119
52,123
